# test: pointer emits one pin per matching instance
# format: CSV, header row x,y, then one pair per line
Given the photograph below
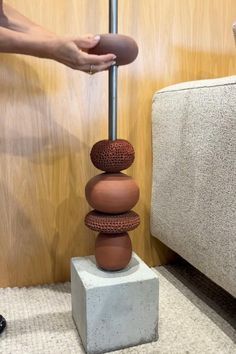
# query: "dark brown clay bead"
x,y
112,224
112,155
112,193
113,252
124,47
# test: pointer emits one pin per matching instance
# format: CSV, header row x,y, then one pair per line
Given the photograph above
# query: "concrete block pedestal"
x,y
114,310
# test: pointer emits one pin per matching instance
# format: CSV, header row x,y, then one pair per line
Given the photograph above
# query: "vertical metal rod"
x,y
113,74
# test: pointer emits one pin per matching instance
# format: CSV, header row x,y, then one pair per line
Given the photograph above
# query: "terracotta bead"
x,y
124,47
113,252
112,193
112,155
112,224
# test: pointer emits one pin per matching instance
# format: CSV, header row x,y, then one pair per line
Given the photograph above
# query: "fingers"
x,y
93,69
67,52
89,68
91,41
98,59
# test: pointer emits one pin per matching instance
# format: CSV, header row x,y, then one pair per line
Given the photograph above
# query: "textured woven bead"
x,y
112,223
113,251
112,155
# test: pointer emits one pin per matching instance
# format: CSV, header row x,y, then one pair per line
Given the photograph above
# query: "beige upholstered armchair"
x,y
193,207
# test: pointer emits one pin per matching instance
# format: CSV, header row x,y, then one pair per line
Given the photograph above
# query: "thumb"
x,y
87,42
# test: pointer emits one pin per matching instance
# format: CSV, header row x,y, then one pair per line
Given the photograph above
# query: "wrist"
x,y
34,45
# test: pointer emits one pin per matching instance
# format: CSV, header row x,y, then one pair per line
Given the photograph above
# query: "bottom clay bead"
x,y
113,251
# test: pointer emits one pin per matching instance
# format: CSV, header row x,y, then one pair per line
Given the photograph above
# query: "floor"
x,y
196,317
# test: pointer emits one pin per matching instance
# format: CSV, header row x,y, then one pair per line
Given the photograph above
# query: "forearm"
x,y
21,36
13,20
20,43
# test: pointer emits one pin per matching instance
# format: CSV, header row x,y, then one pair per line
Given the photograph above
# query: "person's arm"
x,y
12,19
19,43
22,36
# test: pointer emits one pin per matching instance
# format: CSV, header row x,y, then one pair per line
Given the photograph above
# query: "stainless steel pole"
x,y
113,74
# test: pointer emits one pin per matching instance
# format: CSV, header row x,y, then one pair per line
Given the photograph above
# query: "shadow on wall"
x,y
16,243
41,223
27,125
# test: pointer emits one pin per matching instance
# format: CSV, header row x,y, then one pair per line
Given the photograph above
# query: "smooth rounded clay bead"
x,y
112,193
113,252
112,155
111,224
124,47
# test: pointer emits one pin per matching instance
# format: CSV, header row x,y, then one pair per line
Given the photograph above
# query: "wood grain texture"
x,y
51,116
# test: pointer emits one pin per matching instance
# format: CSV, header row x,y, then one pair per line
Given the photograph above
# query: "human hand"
x,y
20,35
73,52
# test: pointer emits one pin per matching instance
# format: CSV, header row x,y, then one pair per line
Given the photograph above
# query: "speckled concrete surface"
x,y
114,310
196,317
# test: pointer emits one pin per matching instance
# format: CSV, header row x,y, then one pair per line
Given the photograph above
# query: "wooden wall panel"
x,y
51,116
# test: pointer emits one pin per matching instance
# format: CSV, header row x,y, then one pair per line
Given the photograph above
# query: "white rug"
x,y
196,317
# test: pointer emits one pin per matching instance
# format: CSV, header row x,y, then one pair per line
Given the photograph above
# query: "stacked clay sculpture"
x,y
112,194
